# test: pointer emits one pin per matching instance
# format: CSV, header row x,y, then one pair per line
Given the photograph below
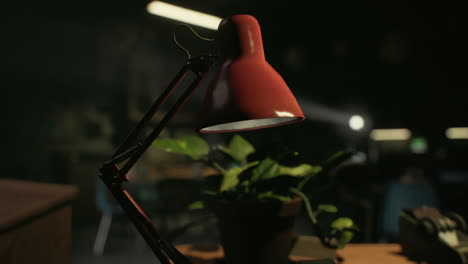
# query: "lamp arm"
x,y
153,109
113,176
162,124
109,175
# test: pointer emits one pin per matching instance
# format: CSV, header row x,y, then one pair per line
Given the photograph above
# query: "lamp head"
x,y
246,92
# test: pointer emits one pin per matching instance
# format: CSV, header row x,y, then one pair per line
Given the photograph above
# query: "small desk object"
x,y
428,235
35,222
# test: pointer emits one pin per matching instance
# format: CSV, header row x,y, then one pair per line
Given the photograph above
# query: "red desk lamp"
x,y
246,93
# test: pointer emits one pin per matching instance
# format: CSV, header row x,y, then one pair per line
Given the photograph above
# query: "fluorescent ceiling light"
x,y
457,133
183,14
390,134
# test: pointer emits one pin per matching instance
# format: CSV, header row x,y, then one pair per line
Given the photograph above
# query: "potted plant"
x,y
256,199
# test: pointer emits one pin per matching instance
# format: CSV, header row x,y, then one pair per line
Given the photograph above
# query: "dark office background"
x,y
77,76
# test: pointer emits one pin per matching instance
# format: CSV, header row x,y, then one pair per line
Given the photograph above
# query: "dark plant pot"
x,y
254,232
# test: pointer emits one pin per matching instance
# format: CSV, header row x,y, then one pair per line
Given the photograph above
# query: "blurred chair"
x,y
165,201
107,209
398,196
144,194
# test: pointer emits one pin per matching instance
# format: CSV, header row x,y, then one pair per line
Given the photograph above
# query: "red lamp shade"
x,y
246,92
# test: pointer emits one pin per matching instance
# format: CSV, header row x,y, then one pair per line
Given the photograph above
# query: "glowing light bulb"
x,y
356,122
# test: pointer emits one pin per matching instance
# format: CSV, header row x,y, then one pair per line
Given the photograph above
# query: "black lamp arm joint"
x,y
200,65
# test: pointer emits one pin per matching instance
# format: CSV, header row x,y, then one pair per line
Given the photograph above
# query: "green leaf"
x,y
196,205
267,169
342,223
329,208
193,146
239,149
270,194
307,178
345,238
310,213
231,176
298,171
347,229
337,155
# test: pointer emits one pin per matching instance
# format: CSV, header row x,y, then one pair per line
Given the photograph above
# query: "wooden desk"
x,y
35,222
351,254
372,254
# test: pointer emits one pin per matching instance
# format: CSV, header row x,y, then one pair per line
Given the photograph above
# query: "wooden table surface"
x,y
22,200
373,254
351,254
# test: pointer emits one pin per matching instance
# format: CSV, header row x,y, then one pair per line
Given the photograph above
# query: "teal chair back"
x,y
400,196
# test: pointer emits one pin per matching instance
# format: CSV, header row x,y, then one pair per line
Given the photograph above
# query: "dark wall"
x,y
72,70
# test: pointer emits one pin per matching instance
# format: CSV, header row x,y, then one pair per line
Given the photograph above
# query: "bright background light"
x,y
418,145
183,15
356,122
457,133
390,134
